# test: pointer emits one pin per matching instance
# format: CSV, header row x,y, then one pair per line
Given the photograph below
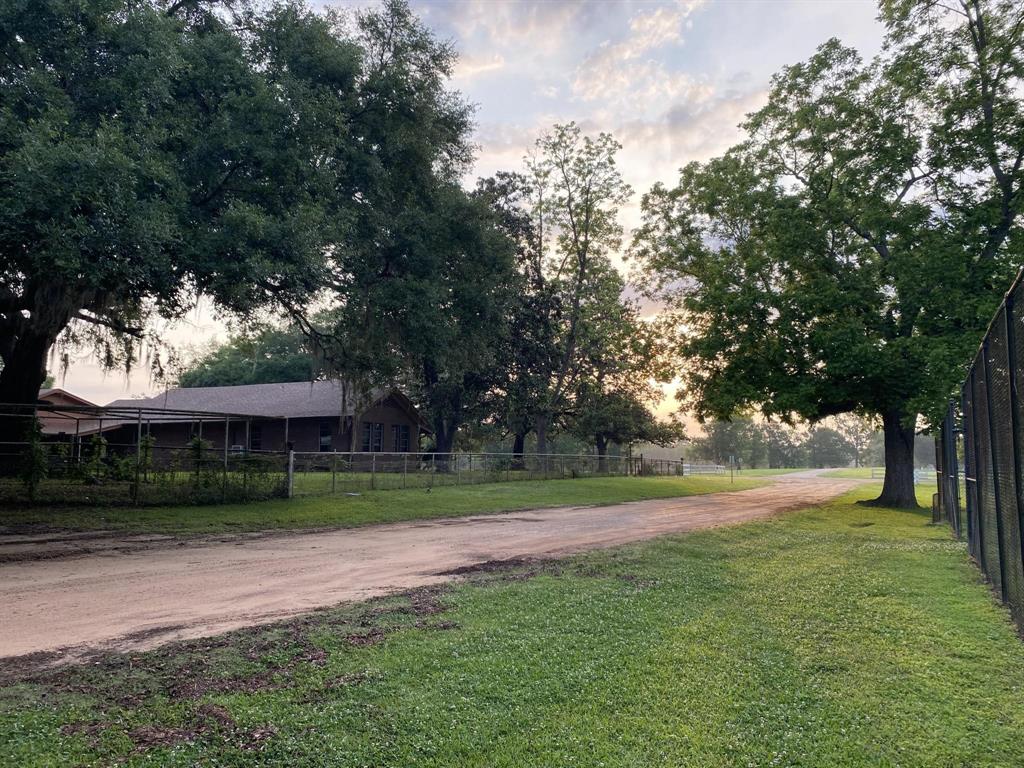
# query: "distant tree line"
x,y
750,443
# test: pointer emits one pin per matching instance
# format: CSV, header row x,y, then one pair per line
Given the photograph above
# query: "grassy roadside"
x,y
371,506
836,636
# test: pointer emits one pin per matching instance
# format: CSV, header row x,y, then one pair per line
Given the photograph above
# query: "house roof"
x,y
297,399
50,394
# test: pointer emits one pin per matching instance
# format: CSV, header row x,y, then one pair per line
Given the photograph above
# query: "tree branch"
x,y
107,322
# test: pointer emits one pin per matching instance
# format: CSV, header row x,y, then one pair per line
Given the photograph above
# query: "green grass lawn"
x,y
836,636
371,506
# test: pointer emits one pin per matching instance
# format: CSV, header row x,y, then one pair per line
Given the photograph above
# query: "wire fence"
x,y
984,428
93,471
318,474
96,472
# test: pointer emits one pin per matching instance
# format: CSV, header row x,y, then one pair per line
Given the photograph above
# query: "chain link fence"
x,y
313,474
983,430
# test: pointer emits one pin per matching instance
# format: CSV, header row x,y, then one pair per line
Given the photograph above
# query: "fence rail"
x,y
984,427
325,473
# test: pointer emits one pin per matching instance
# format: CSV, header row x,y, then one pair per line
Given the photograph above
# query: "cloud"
x,y
623,75
540,24
469,67
640,86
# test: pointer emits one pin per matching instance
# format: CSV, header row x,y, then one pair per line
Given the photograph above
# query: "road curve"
x,y
136,599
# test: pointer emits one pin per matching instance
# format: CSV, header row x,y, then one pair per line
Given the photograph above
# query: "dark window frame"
x,y
255,437
326,432
400,437
373,437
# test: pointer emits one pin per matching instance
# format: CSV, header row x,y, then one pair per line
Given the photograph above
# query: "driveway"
x,y
132,593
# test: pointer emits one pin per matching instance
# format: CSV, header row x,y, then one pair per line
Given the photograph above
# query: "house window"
x,y
400,437
325,435
256,437
373,437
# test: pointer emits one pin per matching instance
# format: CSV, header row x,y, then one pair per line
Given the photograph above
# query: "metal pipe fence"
x,y
983,430
325,473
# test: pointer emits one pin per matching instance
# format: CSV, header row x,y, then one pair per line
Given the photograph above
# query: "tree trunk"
x,y
444,438
898,490
23,373
518,448
601,443
541,428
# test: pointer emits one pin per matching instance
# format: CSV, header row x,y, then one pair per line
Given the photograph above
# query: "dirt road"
x,y
124,597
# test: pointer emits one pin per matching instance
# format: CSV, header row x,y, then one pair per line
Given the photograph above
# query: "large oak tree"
x,y
152,152
848,255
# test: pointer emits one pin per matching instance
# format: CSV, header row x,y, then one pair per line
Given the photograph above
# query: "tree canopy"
x,y
847,255
153,152
267,355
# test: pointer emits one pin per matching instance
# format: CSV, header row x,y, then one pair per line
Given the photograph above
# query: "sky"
x,y
670,79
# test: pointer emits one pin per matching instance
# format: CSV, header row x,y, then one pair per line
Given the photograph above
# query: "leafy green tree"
x,y
529,350
618,417
621,361
783,447
420,293
825,447
566,313
576,194
847,256
154,151
738,439
858,431
267,355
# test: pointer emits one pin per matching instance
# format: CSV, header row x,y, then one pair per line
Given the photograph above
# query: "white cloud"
x,y
623,74
541,24
469,67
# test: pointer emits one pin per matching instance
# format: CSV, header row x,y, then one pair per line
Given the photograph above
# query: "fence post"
x,y
138,459
373,471
334,472
952,462
993,456
1011,367
405,470
979,485
291,474
967,418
